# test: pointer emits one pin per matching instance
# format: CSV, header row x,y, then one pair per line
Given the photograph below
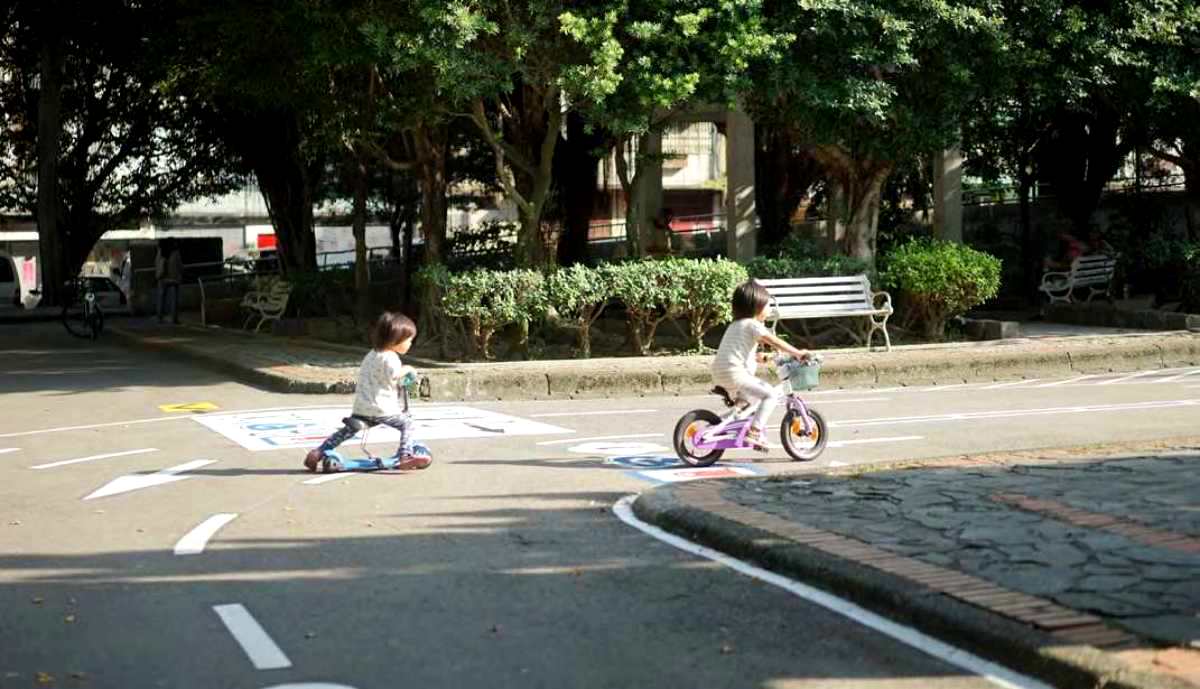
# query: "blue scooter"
x,y
334,462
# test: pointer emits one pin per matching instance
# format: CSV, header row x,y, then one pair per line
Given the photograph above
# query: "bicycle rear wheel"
x,y
95,319
75,321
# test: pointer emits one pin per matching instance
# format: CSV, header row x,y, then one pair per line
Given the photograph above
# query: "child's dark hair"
x,y
390,329
749,299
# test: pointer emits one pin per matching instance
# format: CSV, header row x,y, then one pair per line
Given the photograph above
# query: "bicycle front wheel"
x,y
802,446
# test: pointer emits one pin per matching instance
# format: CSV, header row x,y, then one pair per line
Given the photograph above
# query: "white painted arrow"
x,y
133,482
6,450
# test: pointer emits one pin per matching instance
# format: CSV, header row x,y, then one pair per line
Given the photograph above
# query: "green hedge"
x,y
697,290
940,279
801,257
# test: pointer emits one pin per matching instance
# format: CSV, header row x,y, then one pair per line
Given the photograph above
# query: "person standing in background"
x,y
168,269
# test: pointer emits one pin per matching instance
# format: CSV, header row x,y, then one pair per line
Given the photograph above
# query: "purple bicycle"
x,y
701,437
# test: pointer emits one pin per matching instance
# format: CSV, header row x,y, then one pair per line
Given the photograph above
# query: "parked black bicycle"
x,y
81,315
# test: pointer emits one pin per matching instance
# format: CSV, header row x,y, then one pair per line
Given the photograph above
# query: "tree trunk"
x,y
271,144
362,274
860,183
1029,247
783,177
49,128
577,163
432,145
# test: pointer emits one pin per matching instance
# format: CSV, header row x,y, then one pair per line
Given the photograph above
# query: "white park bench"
x,y
1094,272
267,301
830,298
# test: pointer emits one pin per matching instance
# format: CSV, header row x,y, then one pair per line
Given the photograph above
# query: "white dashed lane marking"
x,y
194,541
95,457
254,640
1009,413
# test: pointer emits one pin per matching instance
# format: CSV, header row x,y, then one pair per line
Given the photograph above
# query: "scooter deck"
x,y
367,464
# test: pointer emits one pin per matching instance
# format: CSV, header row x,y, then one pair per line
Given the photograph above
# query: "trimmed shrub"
x,y
707,294
767,268
650,294
489,300
939,280
579,294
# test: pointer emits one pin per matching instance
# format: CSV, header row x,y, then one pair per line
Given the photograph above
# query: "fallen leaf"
x,y
69,619
44,678
38,600
79,675
310,635
14,523
726,649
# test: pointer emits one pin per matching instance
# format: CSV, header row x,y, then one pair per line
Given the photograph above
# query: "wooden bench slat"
x,y
820,299
833,289
852,279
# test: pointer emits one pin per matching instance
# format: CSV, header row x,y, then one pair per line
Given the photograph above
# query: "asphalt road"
x,y
149,548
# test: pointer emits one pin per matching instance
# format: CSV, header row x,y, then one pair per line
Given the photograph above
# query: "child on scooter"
x,y
376,398
736,360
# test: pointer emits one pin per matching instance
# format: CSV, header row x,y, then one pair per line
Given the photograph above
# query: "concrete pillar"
x,y
740,224
947,194
650,155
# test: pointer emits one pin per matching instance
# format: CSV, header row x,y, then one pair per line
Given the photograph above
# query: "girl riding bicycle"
x,y
736,360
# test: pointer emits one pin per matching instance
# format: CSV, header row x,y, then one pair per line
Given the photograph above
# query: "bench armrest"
x,y
887,301
1055,276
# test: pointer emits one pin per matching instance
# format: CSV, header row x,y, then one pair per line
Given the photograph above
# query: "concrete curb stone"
x,y
687,375
986,634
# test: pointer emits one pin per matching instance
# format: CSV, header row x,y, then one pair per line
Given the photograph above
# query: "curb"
x,y
674,376
1009,642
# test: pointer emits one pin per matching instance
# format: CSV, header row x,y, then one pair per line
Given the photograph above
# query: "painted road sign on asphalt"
x,y
645,461
304,428
613,448
190,406
696,474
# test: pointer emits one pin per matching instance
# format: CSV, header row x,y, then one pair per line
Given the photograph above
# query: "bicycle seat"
x,y
358,423
724,395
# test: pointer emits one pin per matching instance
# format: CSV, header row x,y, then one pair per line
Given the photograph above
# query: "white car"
x,y
10,284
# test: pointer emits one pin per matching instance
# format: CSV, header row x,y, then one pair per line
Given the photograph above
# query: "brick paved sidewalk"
x,y
307,365
1072,565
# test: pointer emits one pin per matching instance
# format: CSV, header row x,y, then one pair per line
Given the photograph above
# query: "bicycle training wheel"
x,y
800,446
689,426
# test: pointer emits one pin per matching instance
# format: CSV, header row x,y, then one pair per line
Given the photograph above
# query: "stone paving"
x,y
1118,539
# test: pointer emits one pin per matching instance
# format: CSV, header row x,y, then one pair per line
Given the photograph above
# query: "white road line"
x,y
1011,384
1008,413
868,441
6,450
858,391
194,541
835,463
600,437
253,639
328,477
1181,376
592,413
939,388
859,399
996,674
95,457
1068,381
92,425
1131,376
131,482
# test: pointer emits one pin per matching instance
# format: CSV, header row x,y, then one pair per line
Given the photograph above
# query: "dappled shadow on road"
x,y
538,590
44,358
